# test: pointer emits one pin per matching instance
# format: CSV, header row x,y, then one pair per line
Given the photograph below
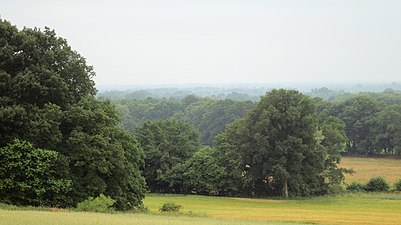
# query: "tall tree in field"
x,y
47,98
280,148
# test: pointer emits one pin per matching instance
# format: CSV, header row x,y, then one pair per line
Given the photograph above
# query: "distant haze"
x,y
225,41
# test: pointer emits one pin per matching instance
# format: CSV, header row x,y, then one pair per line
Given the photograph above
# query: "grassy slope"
x,y
366,168
342,209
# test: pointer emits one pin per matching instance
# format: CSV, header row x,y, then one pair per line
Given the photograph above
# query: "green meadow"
x,y
79,218
341,209
360,208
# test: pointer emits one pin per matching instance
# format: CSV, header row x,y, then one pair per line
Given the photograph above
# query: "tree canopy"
x,y
166,143
279,146
31,176
47,98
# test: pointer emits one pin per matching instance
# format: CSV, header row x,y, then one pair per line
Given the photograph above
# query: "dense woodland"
x,y
61,144
370,118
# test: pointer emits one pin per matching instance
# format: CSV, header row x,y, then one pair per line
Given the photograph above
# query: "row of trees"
x,y
280,147
371,119
372,122
208,116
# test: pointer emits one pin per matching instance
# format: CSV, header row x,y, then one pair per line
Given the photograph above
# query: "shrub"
x,y
377,184
397,185
31,176
170,207
140,209
98,204
356,187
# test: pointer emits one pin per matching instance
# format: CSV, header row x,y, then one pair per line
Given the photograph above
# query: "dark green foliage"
x,y
166,143
37,68
377,184
200,174
356,187
170,207
372,122
386,127
101,204
397,185
279,146
357,115
30,176
47,98
228,156
332,138
103,158
277,149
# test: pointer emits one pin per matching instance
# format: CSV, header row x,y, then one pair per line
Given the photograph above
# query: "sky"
x,y
153,42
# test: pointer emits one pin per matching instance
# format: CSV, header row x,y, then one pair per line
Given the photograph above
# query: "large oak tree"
x,y
47,98
278,148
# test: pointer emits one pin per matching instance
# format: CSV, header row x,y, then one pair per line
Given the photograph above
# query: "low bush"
x,y
170,207
99,204
397,185
140,209
356,187
377,184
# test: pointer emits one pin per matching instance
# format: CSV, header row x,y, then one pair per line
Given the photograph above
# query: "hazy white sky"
x,y
225,41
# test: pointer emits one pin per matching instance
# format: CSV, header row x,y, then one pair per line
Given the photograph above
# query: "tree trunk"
x,y
285,188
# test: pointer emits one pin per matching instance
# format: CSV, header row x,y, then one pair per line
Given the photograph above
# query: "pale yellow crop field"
x,y
366,168
342,209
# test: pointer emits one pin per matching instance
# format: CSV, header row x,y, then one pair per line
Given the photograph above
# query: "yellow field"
x,y
366,168
78,218
342,209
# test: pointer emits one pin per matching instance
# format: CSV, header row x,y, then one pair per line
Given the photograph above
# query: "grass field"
x,y
8,217
341,209
360,208
366,168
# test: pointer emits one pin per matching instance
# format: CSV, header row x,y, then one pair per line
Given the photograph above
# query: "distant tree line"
x,y
245,92
370,119
372,122
208,116
217,93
